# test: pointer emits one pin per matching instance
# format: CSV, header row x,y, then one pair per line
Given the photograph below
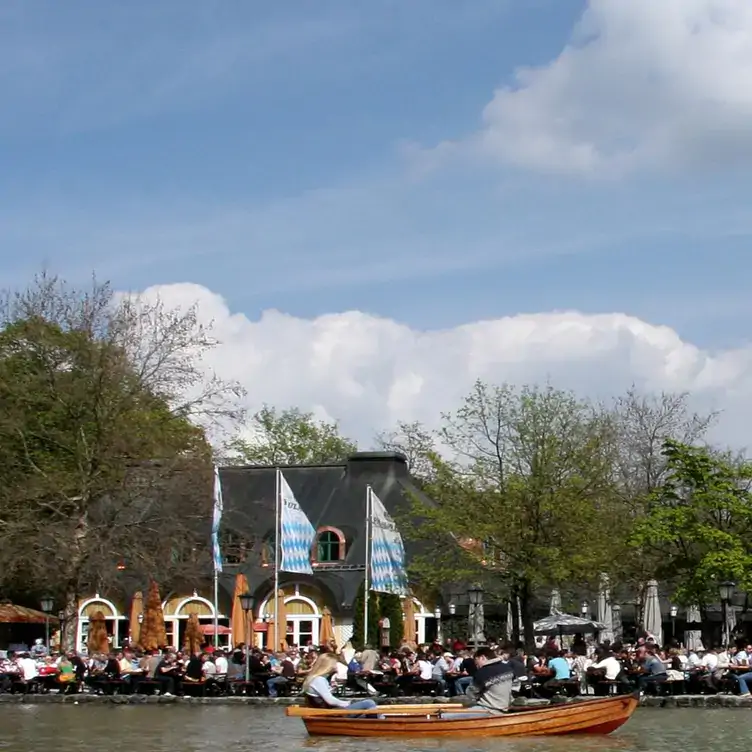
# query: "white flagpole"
x,y
367,580
216,608
277,524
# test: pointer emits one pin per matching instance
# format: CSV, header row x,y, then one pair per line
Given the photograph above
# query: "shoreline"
x,y
677,701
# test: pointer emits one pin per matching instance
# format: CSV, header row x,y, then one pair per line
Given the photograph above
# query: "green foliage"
x,y
390,607
525,502
291,437
373,619
698,523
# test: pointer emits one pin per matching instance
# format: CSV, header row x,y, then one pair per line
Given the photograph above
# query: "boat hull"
x,y
587,717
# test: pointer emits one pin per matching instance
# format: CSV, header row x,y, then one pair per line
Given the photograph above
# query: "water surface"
x,y
123,728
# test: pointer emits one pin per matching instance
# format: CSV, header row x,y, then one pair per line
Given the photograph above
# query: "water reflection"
x,y
114,728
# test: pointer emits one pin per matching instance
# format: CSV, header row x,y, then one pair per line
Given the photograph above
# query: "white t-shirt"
x,y
612,666
426,670
28,668
221,665
710,661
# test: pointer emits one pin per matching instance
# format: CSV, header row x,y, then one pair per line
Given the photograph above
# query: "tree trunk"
x,y
528,622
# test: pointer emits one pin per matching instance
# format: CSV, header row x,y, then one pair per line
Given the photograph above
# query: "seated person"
x,y
317,691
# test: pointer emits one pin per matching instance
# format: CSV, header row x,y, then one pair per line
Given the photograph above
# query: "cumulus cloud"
x,y
641,84
370,372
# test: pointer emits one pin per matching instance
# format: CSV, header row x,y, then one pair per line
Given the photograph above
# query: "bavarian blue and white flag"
x,y
216,519
297,533
388,573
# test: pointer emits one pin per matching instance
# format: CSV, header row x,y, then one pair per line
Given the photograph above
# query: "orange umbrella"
x,y
409,633
238,621
97,641
153,634
279,631
137,609
193,635
326,635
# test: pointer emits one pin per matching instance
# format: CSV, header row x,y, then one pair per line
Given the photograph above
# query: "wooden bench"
x,y
194,688
147,686
424,687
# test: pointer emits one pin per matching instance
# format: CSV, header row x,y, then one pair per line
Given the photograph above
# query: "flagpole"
x,y
277,523
367,580
216,608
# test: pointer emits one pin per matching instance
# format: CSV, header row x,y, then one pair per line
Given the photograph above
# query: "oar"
x,y
301,711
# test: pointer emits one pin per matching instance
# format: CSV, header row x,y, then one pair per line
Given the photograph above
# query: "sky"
x,y
378,201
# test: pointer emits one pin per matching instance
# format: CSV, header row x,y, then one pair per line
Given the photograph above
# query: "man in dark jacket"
x,y
491,690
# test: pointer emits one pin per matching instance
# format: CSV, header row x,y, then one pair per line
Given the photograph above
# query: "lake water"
x,y
117,728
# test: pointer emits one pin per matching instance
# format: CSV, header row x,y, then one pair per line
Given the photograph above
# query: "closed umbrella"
x,y
238,618
153,633
193,636
605,612
693,637
653,622
279,628
409,633
510,618
326,632
137,610
729,627
555,604
97,641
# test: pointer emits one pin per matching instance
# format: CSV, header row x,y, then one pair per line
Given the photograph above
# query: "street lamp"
x,y
47,605
585,609
475,598
437,616
247,602
726,590
452,609
673,612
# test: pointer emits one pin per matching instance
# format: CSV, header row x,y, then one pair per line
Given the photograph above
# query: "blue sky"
x,y
289,155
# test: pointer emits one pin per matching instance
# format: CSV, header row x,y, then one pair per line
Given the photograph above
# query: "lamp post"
x,y
437,616
475,598
247,602
47,605
673,612
585,609
726,591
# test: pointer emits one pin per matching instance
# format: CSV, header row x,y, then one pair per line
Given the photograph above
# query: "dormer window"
x,y
329,546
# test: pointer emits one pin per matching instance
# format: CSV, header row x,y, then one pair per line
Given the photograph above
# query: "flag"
x,y
388,573
216,519
297,533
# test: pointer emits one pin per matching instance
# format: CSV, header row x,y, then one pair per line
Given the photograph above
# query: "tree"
x,y
642,424
523,503
698,524
291,437
390,607
359,638
105,474
415,442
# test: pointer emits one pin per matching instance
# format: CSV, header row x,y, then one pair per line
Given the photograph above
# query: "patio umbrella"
x,y
409,633
555,604
693,637
617,622
326,632
153,634
279,630
193,636
653,623
566,624
97,641
238,618
12,614
510,617
730,626
605,612
137,609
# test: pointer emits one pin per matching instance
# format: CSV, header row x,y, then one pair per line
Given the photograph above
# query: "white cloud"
x,y
641,84
370,372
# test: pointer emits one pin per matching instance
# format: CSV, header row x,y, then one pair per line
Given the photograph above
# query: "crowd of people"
x,y
325,675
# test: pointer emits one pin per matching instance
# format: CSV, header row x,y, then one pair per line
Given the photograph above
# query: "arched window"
x,y
330,546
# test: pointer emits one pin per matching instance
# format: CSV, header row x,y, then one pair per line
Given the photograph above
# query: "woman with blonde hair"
x,y
317,691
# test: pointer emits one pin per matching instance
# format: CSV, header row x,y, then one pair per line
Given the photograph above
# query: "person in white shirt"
x,y
28,667
221,664
425,667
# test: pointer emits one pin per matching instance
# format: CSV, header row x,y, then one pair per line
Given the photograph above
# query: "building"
x,y
333,497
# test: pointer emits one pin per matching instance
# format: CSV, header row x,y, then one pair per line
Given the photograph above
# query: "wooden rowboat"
x,y
600,716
